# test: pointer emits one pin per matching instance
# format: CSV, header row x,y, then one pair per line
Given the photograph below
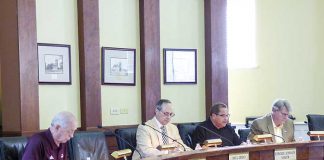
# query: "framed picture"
x,y
54,63
118,66
180,66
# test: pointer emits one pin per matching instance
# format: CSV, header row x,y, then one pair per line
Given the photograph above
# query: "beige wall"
x,y
119,27
289,47
182,26
57,23
289,50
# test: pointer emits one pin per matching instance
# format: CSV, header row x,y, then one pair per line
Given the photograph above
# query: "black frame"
x,y
44,80
165,52
103,64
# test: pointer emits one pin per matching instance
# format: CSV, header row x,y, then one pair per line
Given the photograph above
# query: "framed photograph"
x,y
118,66
180,66
54,63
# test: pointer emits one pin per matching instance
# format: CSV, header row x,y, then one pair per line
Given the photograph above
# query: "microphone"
x,y
124,140
259,130
220,136
144,124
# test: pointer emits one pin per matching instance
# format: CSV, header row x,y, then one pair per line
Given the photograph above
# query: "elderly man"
x,y
149,136
276,123
216,126
51,144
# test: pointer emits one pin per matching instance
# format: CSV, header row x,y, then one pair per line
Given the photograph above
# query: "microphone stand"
x,y
184,148
100,127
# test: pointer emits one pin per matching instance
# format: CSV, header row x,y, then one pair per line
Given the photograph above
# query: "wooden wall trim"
x,y
89,59
216,72
150,56
18,43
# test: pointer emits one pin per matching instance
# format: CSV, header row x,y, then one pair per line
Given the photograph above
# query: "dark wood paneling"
x,y
89,59
216,74
20,113
150,56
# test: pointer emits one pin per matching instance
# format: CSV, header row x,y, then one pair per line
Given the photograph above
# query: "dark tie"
x,y
164,135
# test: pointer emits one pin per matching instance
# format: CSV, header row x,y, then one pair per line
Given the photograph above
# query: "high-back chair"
x,y
315,123
129,135
12,148
186,130
88,144
244,133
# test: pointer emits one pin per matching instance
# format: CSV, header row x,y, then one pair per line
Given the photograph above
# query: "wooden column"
x,y
89,52
216,73
19,68
150,56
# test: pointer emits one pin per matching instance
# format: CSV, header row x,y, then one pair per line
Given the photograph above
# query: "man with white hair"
x,y
51,144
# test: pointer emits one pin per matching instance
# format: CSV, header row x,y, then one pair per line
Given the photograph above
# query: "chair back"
x,y
88,144
244,133
186,130
315,123
12,148
128,134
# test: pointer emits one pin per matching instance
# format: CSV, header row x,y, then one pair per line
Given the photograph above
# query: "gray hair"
x,y
64,119
159,104
281,103
216,108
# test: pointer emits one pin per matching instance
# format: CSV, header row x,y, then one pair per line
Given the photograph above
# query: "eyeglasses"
x,y
284,114
167,114
223,115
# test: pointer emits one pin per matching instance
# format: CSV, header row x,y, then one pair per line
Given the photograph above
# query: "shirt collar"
x,y
159,125
51,139
274,125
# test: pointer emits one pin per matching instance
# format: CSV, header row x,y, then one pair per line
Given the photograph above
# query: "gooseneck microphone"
x,y
259,130
144,124
220,136
124,140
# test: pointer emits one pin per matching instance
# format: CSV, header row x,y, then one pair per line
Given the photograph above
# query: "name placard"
x,y
239,156
285,154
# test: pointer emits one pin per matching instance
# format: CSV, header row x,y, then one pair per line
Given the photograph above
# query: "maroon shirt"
x,y
41,146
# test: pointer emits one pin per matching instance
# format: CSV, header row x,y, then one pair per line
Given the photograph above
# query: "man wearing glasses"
x,y
276,123
156,131
215,127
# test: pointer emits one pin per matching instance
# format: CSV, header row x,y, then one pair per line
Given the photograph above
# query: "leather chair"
x,y
315,123
244,133
88,144
127,134
12,148
186,130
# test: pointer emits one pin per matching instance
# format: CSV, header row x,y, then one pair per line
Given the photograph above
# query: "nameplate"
x,y
239,156
285,154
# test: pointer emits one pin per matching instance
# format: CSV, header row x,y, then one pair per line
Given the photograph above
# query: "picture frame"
x,y
118,66
180,66
54,63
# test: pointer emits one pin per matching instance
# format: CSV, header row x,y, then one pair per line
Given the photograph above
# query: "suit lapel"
x,y
158,135
284,132
270,127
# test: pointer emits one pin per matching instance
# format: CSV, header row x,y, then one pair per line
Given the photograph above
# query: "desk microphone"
x,y
259,130
220,136
124,140
144,124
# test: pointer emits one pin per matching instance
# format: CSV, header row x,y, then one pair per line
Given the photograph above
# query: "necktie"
x,y
164,137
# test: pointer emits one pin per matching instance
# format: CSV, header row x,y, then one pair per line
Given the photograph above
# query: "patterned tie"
x,y
164,137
